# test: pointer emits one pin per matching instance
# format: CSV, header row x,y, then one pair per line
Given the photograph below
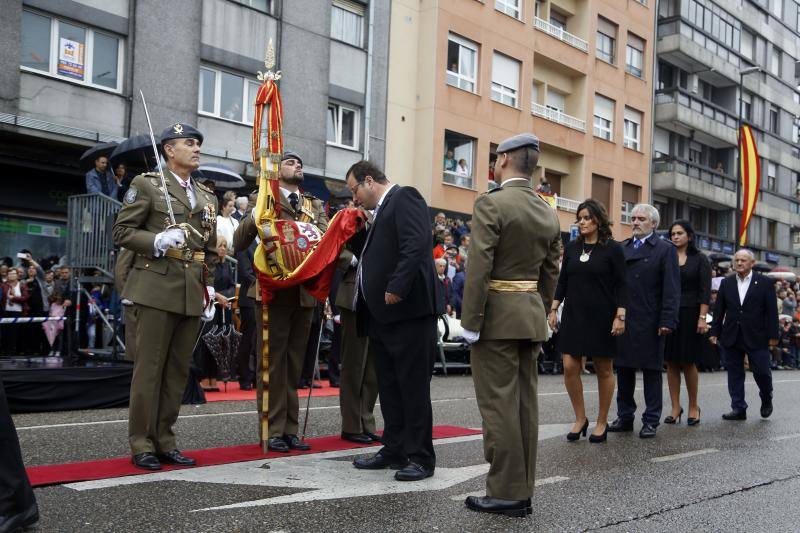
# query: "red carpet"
x,y
41,476
234,393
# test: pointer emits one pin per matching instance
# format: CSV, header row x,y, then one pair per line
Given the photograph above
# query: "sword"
x,y
314,372
158,162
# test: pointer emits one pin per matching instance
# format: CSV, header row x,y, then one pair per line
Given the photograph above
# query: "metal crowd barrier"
x,y
90,220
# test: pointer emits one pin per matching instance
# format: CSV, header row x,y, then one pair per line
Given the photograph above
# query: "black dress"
x,y
591,292
685,345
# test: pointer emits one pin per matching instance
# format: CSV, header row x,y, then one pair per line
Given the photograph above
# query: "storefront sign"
x,y
716,246
573,232
71,58
704,242
772,257
727,248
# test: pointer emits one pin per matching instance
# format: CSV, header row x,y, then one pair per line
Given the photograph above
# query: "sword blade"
x,y
158,161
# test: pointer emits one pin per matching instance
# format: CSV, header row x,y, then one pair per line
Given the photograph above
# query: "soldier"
x,y
290,312
506,293
122,268
170,286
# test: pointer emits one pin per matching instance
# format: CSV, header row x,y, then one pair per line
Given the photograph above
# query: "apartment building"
x,y
465,74
705,50
72,71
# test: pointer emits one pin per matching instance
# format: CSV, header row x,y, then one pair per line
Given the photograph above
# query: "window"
x,y
505,79
67,51
603,117
462,63
537,8
775,61
747,106
772,177
746,48
347,22
260,5
633,129
776,7
772,234
634,55
557,19
226,95
555,101
458,159
511,8
343,124
631,195
601,190
774,123
606,37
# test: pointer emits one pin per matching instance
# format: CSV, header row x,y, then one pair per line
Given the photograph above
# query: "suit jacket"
x,y
247,275
757,317
516,236
397,259
166,283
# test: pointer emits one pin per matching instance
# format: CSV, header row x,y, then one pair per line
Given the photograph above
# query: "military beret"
x,y
181,131
519,141
288,154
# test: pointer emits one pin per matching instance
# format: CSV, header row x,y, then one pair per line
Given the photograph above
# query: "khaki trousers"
x,y
504,372
161,367
358,383
129,317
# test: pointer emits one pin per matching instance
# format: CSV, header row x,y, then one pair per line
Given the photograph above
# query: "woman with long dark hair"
x,y
592,287
684,347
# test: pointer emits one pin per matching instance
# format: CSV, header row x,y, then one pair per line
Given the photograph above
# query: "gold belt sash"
x,y
513,286
198,256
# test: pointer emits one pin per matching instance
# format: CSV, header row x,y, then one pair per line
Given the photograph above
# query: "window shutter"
x,y
630,193
604,107
633,115
505,71
350,5
607,27
635,42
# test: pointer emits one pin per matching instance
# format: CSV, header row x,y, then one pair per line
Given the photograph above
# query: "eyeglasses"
x,y
354,190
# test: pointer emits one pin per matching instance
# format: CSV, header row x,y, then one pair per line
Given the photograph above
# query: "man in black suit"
x,y
396,305
746,322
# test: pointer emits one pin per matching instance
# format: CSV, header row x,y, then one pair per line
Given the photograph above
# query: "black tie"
x,y
293,201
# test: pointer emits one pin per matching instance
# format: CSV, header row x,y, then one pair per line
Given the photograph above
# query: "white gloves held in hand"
x,y
210,309
170,238
471,336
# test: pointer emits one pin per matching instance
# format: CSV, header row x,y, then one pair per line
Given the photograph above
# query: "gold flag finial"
x,y
269,63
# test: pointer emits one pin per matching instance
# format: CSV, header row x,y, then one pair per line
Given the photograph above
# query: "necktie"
x,y
636,244
293,200
187,186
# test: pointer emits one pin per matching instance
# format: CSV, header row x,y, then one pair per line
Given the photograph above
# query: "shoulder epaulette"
x,y
493,190
203,187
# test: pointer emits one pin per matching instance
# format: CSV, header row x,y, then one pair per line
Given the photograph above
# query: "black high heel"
x,y
599,438
671,419
575,436
694,421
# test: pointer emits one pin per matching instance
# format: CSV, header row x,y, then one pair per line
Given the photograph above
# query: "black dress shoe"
x,y
373,436
296,444
378,462
360,438
334,384
176,458
20,521
619,425
486,504
146,460
413,472
735,415
245,386
648,431
277,444
766,408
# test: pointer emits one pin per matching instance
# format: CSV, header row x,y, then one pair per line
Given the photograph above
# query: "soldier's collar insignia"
x,y
177,128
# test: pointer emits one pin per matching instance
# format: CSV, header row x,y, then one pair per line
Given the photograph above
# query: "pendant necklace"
x,y
585,255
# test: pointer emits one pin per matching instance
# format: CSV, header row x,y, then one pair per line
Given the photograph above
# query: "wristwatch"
x,y
621,317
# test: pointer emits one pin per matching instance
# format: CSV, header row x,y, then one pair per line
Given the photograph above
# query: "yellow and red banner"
x,y
750,172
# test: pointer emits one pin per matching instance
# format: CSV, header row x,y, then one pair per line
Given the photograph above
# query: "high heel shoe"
x,y
671,419
599,438
575,436
693,421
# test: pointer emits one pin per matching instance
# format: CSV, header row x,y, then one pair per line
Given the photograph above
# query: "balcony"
x,y
678,178
554,115
687,47
561,35
567,204
684,113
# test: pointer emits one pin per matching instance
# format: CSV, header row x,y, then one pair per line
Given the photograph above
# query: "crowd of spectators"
x,y
451,252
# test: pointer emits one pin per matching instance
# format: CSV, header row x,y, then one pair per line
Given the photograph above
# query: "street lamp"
x,y
737,215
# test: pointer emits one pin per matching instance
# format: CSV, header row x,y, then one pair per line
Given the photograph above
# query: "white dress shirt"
x,y
743,284
514,179
189,189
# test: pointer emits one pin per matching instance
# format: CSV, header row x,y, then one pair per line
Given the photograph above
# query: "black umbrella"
x,y
222,176
719,258
762,267
135,152
223,343
98,150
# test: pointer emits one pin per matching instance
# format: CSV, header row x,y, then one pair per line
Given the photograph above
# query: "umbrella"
x,y
222,176
135,152
223,343
762,267
719,258
98,150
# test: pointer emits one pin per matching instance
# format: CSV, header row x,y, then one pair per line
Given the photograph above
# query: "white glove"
x,y
471,336
354,261
171,238
125,301
337,319
210,310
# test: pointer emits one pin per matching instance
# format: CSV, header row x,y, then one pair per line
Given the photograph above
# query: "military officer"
x,y
170,286
122,268
506,293
290,312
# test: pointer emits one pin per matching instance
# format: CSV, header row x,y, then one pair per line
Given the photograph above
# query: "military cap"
x,y
181,131
288,154
522,140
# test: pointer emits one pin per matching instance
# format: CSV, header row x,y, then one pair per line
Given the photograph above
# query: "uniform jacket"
x,y
166,283
515,237
654,294
757,317
247,232
123,268
346,290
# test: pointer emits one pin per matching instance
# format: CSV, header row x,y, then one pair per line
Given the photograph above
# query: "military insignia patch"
x,y
177,128
156,182
130,196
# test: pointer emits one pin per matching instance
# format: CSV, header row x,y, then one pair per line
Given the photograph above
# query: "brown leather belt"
x,y
185,254
513,286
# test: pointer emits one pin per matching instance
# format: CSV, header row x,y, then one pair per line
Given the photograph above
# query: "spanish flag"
x,y
750,172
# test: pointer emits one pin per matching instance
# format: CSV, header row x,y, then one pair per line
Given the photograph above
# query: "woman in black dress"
x,y
684,347
592,287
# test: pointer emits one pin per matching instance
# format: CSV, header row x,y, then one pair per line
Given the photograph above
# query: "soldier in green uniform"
x,y
290,312
170,286
506,292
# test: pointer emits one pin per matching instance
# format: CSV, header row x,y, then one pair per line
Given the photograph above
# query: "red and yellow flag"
x,y
750,172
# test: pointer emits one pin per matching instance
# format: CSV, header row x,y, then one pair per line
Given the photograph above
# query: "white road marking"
x,y
538,483
786,437
686,455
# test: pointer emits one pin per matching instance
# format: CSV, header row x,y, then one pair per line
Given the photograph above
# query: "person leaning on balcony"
x,y
101,180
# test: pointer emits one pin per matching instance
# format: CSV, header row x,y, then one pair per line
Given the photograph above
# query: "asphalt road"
x,y
717,476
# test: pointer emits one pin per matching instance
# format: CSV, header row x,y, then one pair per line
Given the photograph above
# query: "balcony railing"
x,y
674,25
703,173
61,129
560,34
567,204
707,109
554,115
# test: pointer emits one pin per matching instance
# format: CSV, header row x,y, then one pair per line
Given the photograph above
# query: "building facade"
x,y
72,71
465,74
705,50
